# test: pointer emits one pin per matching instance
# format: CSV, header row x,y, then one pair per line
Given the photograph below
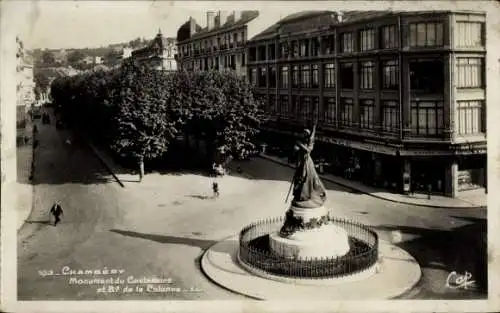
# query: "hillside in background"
x,y
76,58
50,64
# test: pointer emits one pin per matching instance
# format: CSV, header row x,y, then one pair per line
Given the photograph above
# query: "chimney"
x,y
237,15
210,20
340,16
223,15
192,26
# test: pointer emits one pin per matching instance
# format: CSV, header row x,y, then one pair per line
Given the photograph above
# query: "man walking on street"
x,y
215,188
57,211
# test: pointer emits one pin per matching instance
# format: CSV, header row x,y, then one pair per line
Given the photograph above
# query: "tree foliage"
x,y
139,111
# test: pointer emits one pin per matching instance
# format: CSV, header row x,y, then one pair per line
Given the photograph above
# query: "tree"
x,y
224,114
75,56
48,59
143,127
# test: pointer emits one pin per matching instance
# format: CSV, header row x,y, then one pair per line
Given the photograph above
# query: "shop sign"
x,y
360,146
423,153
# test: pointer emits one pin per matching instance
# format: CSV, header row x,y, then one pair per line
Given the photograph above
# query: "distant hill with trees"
x,y
50,64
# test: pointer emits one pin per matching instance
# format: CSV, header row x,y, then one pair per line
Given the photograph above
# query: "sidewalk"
x,y
466,199
24,171
469,199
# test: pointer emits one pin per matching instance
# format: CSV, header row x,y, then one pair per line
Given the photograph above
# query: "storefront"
x,y
427,171
471,172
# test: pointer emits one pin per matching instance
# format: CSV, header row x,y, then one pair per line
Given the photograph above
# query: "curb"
x,y
374,195
31,178
106,165
221,268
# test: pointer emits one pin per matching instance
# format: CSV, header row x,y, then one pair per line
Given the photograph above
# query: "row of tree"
x,y
139,111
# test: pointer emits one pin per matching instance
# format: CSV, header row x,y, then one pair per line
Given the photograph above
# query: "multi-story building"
x,y
221,44
160,53
25,88
399,97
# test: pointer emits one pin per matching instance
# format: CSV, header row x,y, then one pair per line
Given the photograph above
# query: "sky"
x,y
56,24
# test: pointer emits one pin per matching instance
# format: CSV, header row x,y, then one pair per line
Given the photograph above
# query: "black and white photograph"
x,y
314,151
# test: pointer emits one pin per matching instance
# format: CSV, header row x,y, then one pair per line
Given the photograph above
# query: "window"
x,y
304,48
367,39
295,76
427,118
471,117
470,34
284,51
390,74
315,47
329,75
328,44
284,77
305,76
262,53
346,42
306,110
388,37
346,112
295,49
272,52
427,75
346,76
329,109
284,106
366,71
366,113
273,105
390,116
232,60
315,108
253,76
262,77
243,57
315,76
426,34
272,77
252,54
295,110
470,72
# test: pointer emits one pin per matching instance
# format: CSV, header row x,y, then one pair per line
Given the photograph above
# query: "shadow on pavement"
x,y
203,244
462,249
262,169
201,197
46,222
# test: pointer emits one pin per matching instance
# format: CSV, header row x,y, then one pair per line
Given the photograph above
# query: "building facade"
x,y
160,53
399,97
221,44
25,88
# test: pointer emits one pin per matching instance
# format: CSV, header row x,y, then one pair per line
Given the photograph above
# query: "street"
x,y
160,227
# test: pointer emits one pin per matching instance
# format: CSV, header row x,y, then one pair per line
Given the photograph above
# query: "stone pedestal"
x,y
320,241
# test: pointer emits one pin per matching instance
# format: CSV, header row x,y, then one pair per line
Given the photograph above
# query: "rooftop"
x,y
246,16
309,20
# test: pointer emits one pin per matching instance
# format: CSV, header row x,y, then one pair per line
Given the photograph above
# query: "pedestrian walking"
x,y
57,212
215,188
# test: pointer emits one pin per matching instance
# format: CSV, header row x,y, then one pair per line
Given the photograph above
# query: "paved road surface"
x,y
160,227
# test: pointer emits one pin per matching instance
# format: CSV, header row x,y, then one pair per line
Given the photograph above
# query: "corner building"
x,y
399,97
160,53
221,44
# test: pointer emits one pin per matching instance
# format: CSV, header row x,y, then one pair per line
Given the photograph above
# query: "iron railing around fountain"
x,y
255,252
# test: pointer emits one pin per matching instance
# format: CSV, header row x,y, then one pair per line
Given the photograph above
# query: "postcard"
x,y
239,156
